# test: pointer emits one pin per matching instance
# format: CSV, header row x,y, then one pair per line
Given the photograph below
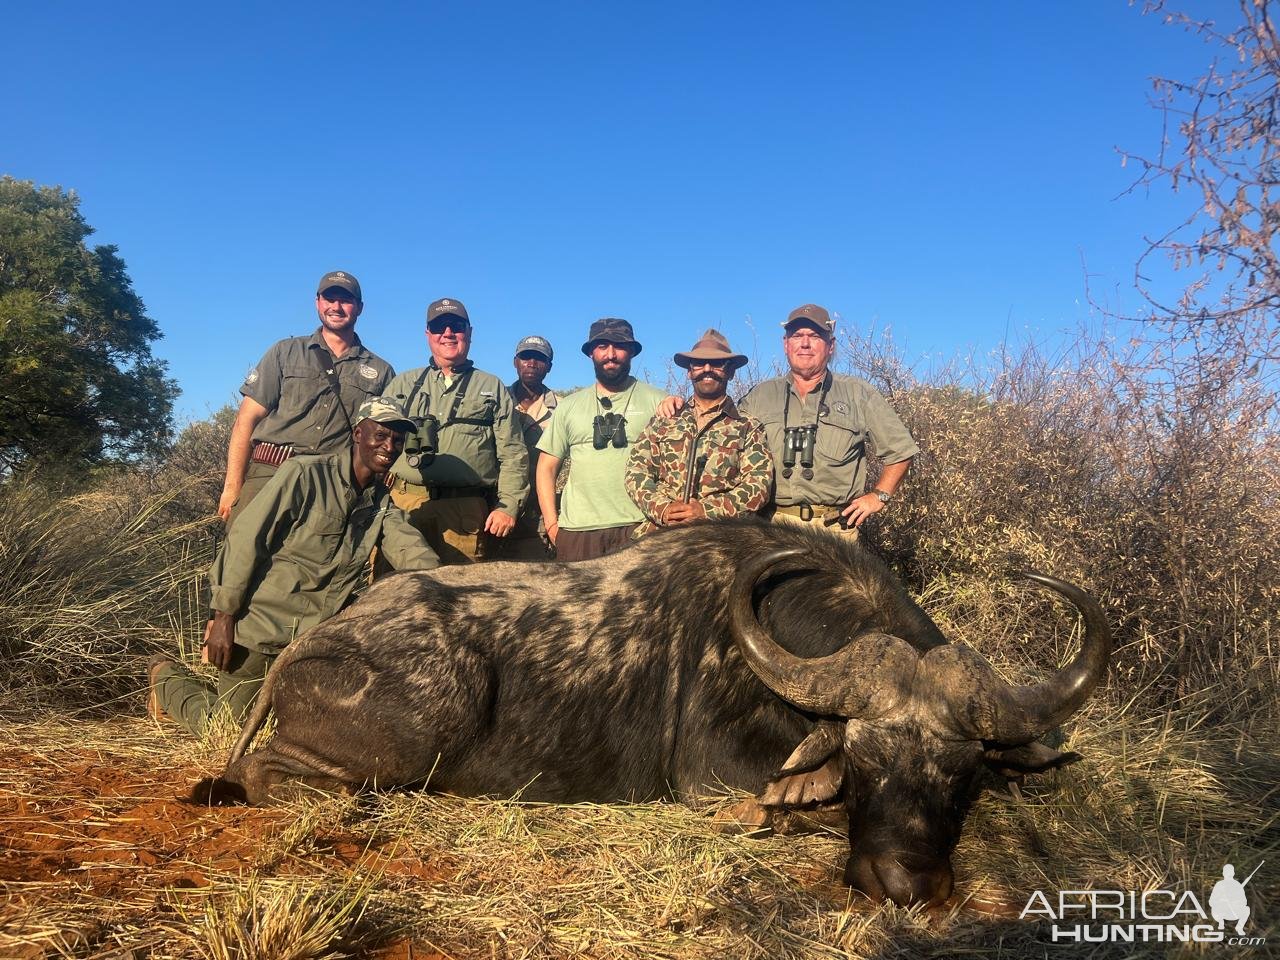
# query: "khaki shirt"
x,y
855,416
532,422
298,552
302,410
481,446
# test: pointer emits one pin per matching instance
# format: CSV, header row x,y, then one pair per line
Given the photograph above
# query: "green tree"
x,y
79,381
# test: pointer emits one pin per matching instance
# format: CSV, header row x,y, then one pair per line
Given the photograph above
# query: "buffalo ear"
x,y
814,750
1034,757
813,773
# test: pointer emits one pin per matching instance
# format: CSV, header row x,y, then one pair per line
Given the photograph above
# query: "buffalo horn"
x,y
858,680
1028,711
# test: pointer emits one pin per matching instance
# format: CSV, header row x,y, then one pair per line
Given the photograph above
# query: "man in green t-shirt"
x,y
595,428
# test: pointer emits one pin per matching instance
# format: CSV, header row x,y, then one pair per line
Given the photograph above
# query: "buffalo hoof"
x,y
746,817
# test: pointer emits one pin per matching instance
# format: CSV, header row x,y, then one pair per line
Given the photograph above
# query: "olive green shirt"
x,y
480,443
302,410
298,552
532,423
854,415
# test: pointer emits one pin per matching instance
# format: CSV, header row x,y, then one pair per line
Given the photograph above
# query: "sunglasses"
x,y
713,364
448,323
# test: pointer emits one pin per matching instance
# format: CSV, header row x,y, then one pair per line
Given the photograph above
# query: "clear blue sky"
x,y
937,169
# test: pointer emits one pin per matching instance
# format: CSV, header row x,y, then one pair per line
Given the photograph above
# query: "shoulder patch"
x,y
368,372
252,376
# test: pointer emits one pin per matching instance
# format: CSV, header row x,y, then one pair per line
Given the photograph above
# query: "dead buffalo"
x,y
778,660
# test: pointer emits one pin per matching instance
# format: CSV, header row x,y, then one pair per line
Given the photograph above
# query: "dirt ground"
x,y
80,824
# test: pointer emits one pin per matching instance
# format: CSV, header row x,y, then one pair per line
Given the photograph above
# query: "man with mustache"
x,y
301,396
464,474
708,460
595,428
293,558
819,425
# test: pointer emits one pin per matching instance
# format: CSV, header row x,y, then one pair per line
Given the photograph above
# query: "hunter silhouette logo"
x,y
1229,901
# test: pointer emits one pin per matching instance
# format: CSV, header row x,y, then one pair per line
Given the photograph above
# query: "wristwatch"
x,y
881,495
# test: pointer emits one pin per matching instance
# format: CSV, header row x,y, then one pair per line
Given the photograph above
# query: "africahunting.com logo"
x,y
1149,916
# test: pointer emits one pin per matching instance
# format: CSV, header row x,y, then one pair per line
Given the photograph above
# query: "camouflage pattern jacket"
x,y
724,465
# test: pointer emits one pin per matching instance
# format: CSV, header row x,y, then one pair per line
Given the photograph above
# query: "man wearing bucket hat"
x,y
464,474
293,558
301,396
595,428
820,425
708,460
535,403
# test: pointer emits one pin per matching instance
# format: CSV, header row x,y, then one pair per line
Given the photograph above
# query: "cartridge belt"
x,y
272,454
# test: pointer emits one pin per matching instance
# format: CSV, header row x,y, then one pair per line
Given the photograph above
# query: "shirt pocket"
x,y
325,533
720,470
839,441
300,388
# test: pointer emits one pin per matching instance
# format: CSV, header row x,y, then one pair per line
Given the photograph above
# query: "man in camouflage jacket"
x,y
706,461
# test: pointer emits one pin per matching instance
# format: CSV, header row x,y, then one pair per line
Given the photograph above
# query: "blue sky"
x,y
941,170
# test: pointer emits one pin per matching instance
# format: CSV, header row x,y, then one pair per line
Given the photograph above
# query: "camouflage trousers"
x,y
192,701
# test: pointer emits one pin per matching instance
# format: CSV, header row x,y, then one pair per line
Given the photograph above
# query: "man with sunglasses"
x,y
302,395
819,425
464,473
708,460
594,427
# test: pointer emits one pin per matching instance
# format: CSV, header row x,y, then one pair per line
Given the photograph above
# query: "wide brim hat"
x,y
712,345
611,330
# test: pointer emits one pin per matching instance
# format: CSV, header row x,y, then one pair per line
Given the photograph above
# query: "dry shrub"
x,y
1148,475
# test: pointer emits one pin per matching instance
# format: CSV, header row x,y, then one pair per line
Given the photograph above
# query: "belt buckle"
x,y
806,512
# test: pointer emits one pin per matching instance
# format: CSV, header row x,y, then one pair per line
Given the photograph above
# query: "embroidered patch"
x,y
251,377
368,372
841,407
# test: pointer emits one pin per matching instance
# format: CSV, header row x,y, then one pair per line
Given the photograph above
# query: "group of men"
x,y
334,458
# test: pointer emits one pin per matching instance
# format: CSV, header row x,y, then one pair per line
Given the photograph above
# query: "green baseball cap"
x,y
343,281
387,411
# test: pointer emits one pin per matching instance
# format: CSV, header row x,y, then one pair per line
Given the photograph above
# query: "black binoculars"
x,y
420,446
798,441
609,428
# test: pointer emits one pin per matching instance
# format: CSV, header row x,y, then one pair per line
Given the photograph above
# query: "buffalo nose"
x,y
905,879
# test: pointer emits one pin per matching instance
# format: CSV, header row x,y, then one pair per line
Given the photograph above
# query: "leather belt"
x,y
272,454
441,493
807,511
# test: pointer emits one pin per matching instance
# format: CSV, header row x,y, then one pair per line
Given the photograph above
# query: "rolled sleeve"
x,y
513,457
403,545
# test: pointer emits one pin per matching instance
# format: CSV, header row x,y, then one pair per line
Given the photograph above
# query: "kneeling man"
x,y
293,559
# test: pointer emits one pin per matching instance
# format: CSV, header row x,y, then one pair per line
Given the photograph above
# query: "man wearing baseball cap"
x,y
706,461
535,403
294,557
302,395
464,473
819,426
595,427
